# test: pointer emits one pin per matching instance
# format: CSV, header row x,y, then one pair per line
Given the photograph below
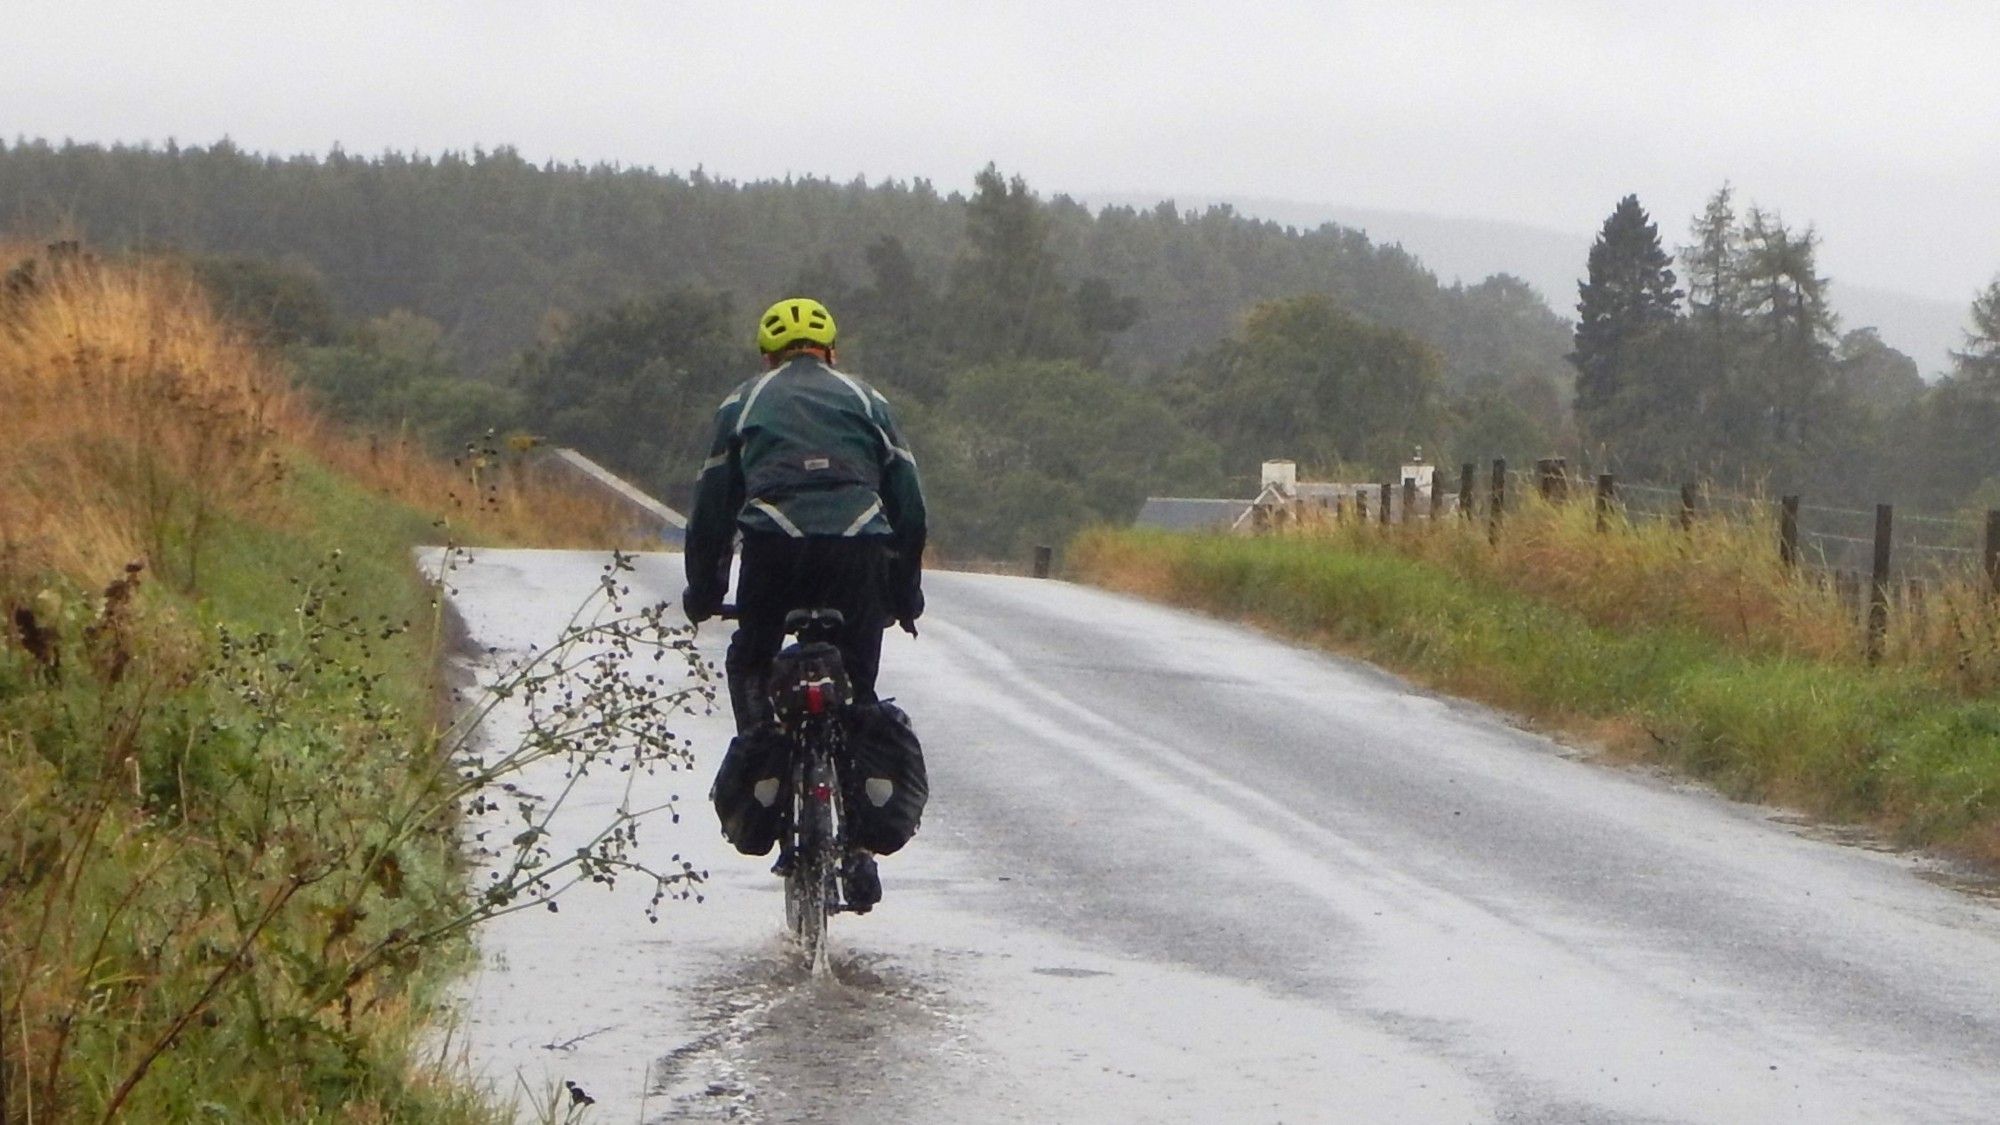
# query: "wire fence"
x,y
1876,561
1923,546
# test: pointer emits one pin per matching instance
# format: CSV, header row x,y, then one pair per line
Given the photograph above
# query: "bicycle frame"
x,y
809,694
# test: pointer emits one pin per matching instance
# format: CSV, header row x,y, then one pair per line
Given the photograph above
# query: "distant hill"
x,y
1552,261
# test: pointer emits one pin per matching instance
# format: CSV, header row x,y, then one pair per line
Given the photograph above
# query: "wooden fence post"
x,y
1361,505
1409,500
1385,503
1437,497
1466,473
1878,587
1687,507
1044,560
1788,531
1993,551
1607,492
1552,479
1499,494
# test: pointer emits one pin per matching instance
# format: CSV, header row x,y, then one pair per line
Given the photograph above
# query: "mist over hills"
x,y
1470,250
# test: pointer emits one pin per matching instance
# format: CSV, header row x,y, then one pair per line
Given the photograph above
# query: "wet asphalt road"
x,y
1173,870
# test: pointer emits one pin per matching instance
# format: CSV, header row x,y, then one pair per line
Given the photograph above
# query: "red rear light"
x,y
822,793
815,699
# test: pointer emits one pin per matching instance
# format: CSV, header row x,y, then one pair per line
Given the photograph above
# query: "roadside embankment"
x,y
219,767
1686,649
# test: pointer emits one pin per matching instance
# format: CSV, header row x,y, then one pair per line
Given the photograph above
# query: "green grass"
x,y
1891,747
166,791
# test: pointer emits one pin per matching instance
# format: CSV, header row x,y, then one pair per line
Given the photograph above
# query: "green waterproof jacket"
x,y
804,450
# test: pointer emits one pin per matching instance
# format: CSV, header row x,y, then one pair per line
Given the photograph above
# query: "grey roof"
x,y
1329,490
1180,514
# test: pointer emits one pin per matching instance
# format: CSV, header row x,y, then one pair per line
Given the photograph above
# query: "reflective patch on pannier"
x,y
884,780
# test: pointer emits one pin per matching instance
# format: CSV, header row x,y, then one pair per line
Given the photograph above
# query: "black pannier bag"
x,y
884,782
751,789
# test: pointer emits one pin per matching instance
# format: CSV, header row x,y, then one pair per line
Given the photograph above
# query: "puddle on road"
x,y
875,1042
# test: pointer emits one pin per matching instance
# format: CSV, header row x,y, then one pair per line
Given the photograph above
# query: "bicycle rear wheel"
x,y
809,887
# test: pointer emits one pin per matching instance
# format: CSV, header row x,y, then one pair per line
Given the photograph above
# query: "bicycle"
x,y
809,694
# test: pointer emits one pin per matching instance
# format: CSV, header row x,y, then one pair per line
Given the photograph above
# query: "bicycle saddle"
x,y
825,622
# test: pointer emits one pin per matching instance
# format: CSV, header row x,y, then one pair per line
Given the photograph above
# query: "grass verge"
x,y
1895,746
225,816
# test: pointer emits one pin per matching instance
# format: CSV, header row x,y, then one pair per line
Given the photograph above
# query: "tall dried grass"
x,y
1722,577
133,416
185,811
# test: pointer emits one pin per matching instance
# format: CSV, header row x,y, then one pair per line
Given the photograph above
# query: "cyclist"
x,y
807,465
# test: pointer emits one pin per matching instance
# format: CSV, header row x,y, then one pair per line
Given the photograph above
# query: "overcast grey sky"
x,y
1877,122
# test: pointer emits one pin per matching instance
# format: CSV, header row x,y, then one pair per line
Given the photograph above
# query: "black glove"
x,y
700,605
908,606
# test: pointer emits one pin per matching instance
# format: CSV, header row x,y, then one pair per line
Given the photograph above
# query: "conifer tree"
x,y
1714,261
1628,295
1979,363
1788,394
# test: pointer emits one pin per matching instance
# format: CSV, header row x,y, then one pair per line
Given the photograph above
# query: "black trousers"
x,y
779,574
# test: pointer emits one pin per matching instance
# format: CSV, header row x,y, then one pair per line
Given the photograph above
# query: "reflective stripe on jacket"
x,y
803,450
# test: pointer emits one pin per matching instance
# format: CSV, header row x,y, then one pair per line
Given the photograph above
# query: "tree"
x,y
636,384
1875,375
1663,424
1032,451
1491,421
396,372
1501,330
1980,361
1714,261
1305,379
1783,294
1008,296
491,247
890,328
1942,450
1789,385
278,303
1005,293
1755,375
1628,295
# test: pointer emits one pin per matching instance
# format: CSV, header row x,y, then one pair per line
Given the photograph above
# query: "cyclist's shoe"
x,y
860,881
783,868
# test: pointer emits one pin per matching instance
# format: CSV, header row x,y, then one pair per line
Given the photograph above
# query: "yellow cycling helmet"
x,y
794,320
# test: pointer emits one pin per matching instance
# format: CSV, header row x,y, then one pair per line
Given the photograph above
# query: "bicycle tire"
x,y
809,887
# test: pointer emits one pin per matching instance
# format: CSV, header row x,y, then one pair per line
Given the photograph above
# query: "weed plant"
x,y
232,875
